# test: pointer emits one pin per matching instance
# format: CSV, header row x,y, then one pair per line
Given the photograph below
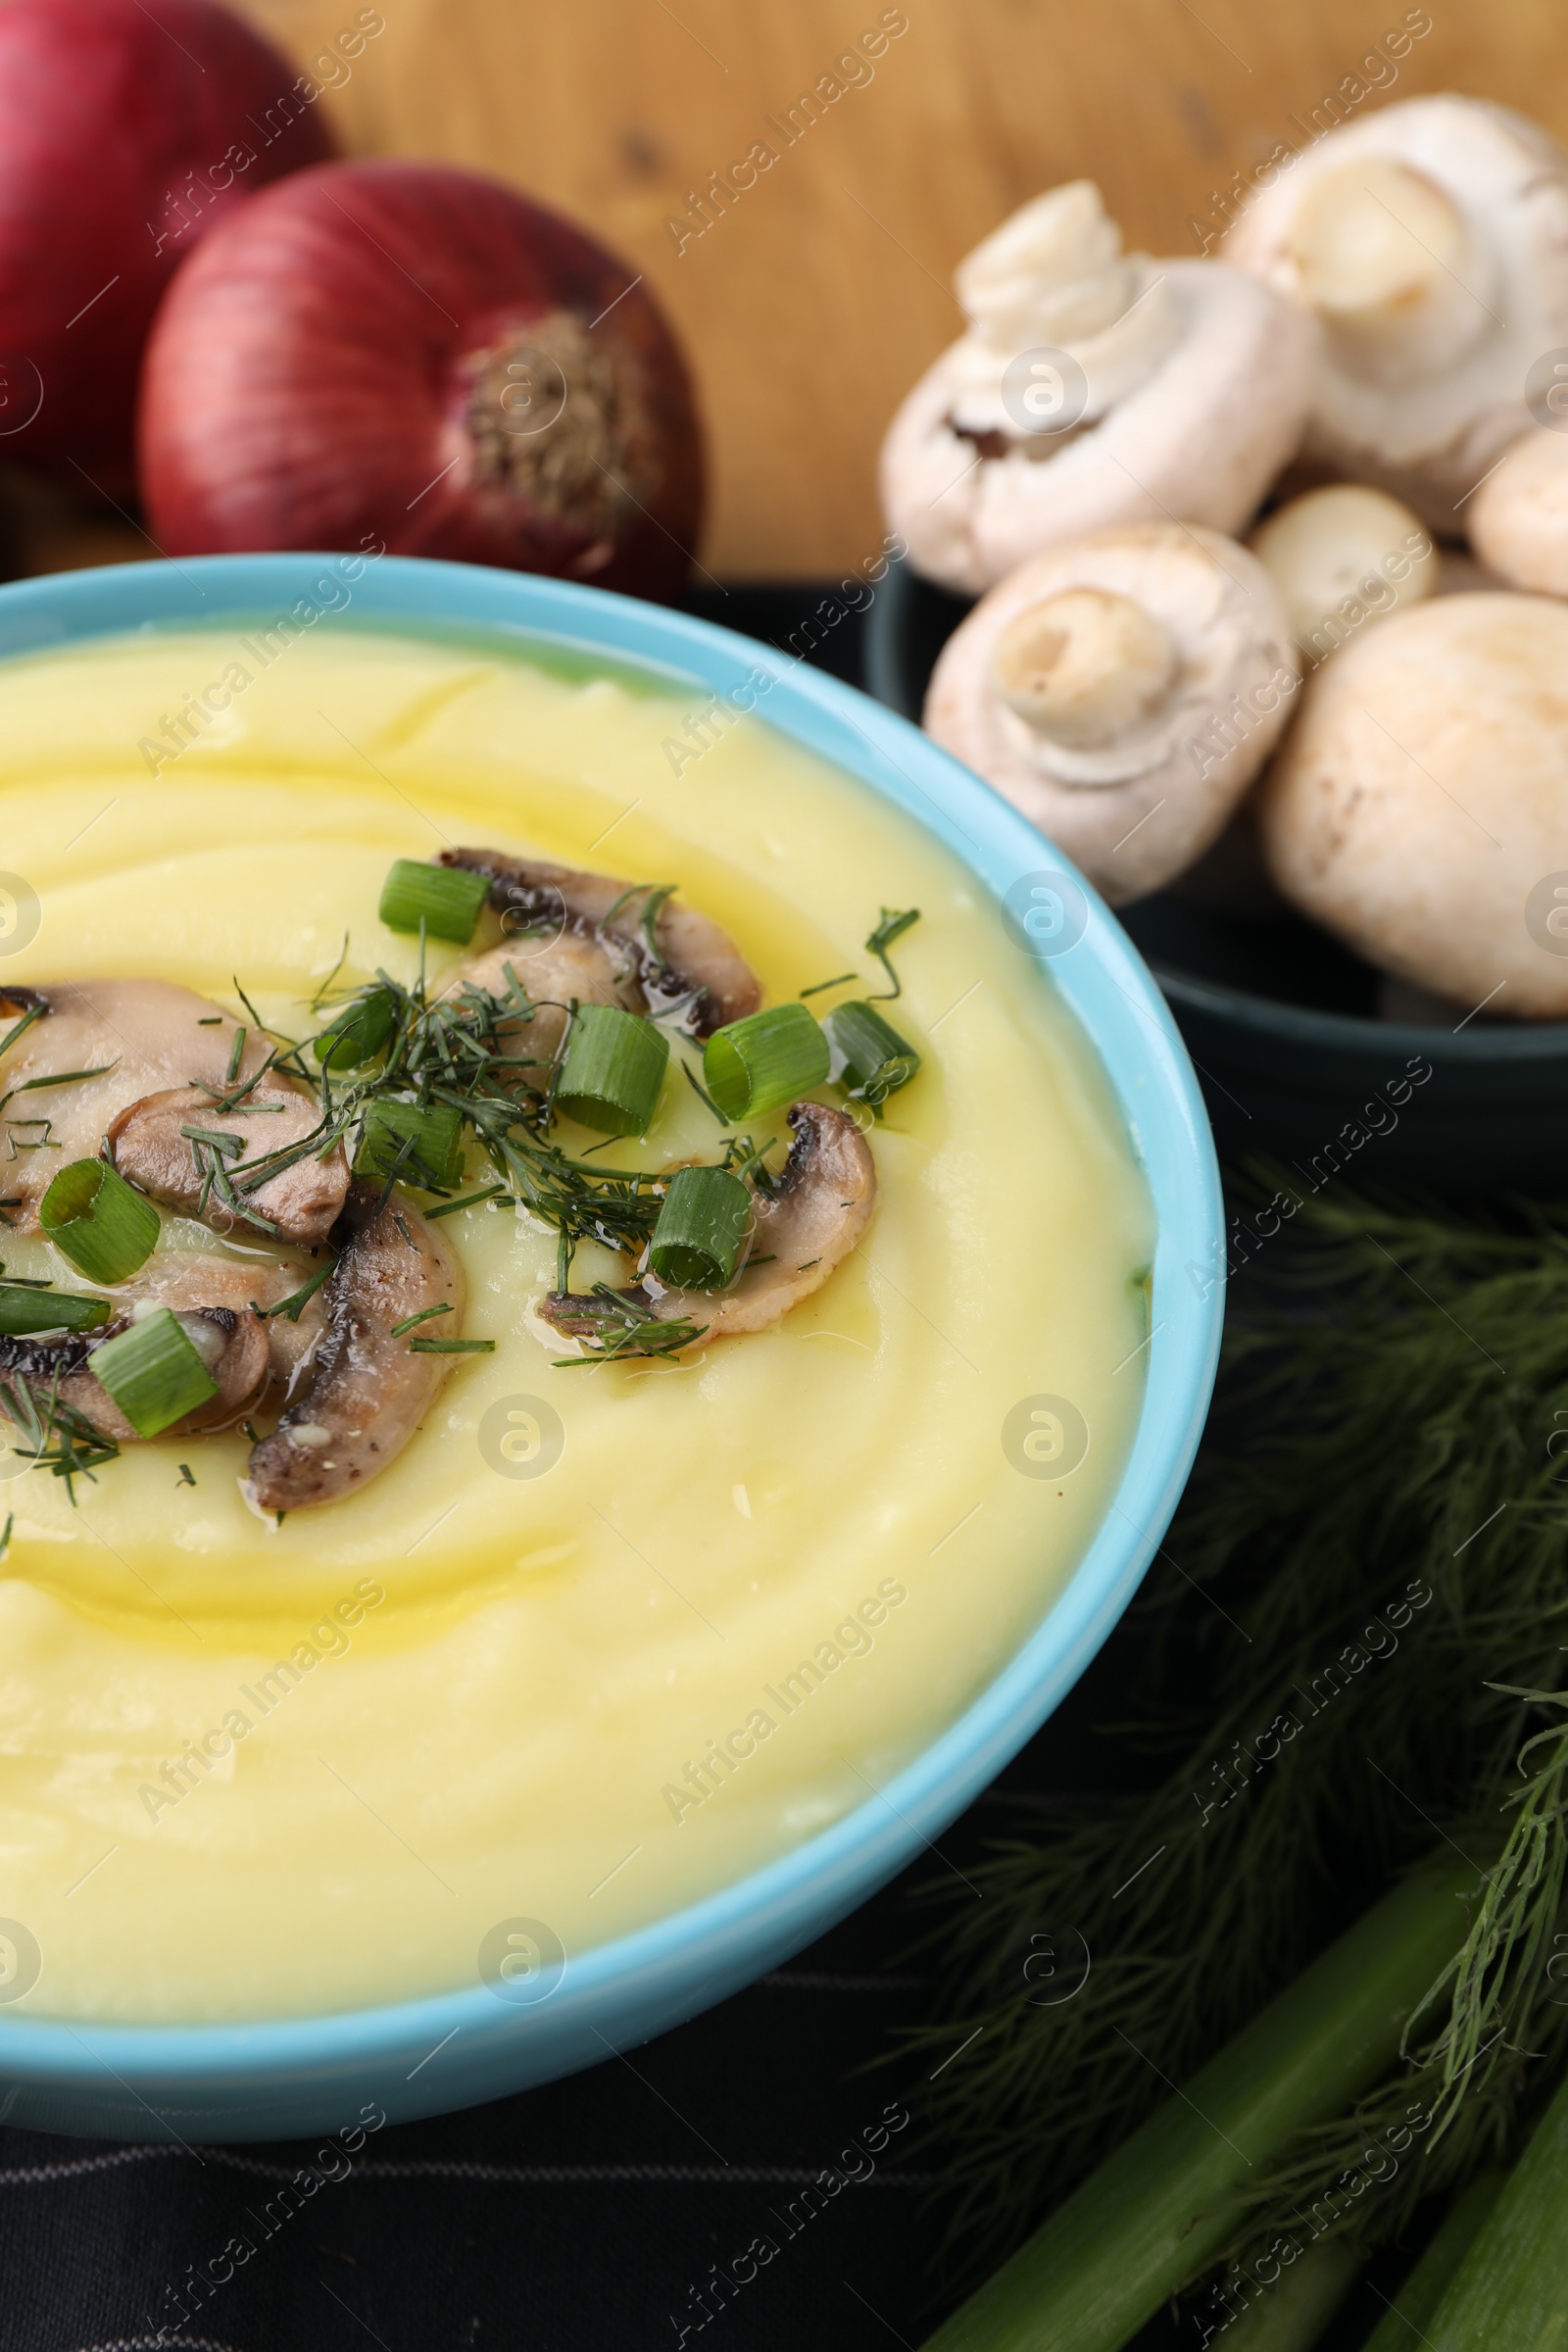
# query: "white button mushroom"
x,y
1431,242
1418,808
1094,388
1122,692
1519,516
1343,557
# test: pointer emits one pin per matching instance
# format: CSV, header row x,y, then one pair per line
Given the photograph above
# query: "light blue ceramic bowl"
x,y
316,2074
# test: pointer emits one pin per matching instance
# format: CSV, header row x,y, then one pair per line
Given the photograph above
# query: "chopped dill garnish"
x,y
420,1314
186,1477
451,1347
290,1307
623,1328
450,1208
59,1078
892,927
817,986
233,1146
56,1434
34,1013
236,1055
5,1533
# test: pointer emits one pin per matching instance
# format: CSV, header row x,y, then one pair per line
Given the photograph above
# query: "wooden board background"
x,y
811,308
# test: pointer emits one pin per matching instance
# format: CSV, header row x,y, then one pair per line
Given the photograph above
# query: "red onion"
x,y
396,350
124,133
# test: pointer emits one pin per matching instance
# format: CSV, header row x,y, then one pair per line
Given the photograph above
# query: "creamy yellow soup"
x,y
602,1639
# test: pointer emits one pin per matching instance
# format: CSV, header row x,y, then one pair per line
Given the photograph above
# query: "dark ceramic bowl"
x,y
1282,1022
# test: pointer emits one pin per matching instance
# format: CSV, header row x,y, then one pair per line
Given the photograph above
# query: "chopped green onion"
x,y
700,1230
423,1147
30,1306
443,898
236,1055
94,1218
451,1347
359,1032
871,1059
767,1058
153,1373
612,1070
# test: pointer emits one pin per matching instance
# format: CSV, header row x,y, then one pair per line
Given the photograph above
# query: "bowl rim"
x,y
1124,1015
1307,1025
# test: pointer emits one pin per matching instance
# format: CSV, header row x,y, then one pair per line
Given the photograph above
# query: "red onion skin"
x,y
310,378
105,110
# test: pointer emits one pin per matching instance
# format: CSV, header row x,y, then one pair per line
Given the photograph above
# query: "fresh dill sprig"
x,y
1381,1571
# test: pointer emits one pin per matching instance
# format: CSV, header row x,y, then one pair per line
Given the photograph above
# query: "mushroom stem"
x,y
1054,277
1083,667
626,939
1383,256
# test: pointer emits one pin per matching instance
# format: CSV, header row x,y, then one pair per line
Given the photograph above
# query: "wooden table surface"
x,y
809,306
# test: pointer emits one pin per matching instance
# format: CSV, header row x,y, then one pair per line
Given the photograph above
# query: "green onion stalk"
x,y
1171,2197
1293,2314
1379,1563
1403,2326
1511,2288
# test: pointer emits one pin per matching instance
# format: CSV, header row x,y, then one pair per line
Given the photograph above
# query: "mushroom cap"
x,y
1422,798
366,1389
818,1211
1343,557
1431,241
1137,808
591,943
1519,515
1190,400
